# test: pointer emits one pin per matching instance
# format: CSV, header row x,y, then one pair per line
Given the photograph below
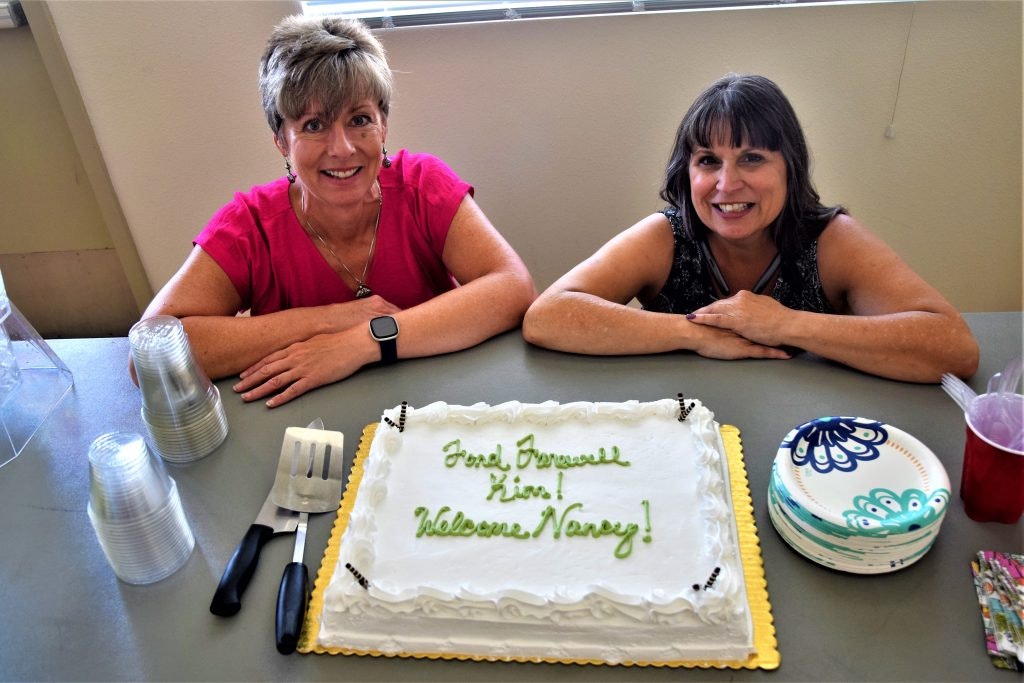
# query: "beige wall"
x,y
34,133
564,126
59,261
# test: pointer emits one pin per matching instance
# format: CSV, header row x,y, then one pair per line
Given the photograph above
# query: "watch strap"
x,y
388,351
384,330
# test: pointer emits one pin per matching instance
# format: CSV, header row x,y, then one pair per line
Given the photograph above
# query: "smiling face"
x,y
737,192
336,161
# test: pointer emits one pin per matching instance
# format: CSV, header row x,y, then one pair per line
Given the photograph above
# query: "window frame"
x,y
406,14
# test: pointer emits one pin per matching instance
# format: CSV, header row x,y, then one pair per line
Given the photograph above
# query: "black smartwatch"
x,y
384,329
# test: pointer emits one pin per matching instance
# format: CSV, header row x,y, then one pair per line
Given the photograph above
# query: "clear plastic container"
x,y
10,374
33,380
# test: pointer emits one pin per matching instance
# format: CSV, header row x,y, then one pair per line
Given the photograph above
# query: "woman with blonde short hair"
x,y
355,256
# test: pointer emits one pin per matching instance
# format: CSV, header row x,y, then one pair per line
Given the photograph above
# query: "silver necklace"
x,y
362,291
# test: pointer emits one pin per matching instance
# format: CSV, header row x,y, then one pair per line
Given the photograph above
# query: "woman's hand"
x,y
306,365
754,317
888,320
723,344
360,311
586,310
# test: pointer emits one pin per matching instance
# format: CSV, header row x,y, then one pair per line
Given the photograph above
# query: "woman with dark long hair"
x,y
746,262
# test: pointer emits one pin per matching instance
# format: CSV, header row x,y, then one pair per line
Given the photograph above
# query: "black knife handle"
x,y
291,607
228,598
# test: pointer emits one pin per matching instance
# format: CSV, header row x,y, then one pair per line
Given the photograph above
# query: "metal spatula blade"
x,y
309,470
309,474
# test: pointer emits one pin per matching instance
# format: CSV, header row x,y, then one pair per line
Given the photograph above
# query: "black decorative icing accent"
x,y
359,577
684,410
401,417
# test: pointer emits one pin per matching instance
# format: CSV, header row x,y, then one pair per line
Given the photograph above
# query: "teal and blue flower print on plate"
x,y
790,505
857,495
836,443
883,512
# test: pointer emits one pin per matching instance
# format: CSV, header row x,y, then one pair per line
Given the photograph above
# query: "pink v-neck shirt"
x,y
258,242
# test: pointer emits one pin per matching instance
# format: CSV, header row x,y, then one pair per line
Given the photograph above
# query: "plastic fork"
x,y
958,391
309,474
1010,376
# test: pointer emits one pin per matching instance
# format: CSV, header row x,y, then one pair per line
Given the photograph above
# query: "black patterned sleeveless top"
x,y
689,287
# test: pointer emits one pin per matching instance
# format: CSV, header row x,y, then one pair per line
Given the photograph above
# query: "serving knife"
x,y
271,521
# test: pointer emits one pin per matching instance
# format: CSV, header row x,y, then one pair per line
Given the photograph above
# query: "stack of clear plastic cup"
x,y
136,511
180,406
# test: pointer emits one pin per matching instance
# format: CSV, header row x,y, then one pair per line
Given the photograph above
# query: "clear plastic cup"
x,y
180,406
135,510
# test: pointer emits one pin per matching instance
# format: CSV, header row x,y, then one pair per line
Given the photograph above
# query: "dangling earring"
x,y
387,162
288,167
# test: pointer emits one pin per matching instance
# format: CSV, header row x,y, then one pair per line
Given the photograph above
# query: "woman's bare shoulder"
x,y
847,247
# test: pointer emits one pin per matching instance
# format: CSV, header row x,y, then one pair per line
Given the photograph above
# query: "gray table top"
x,y
65,616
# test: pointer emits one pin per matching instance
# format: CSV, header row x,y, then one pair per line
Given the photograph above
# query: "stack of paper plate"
x,y
857,495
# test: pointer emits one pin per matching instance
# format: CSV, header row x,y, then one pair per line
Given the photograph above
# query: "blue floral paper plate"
x,y
857,494
878,555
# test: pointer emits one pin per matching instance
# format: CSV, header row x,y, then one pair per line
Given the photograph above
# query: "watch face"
x,y
384,327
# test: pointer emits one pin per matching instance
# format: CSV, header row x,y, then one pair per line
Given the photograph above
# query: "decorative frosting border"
x,y
766,655
540,413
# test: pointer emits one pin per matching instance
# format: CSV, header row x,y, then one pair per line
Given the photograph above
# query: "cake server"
x,y
309,474
271,521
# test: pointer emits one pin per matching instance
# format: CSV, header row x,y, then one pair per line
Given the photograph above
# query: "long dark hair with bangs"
x,y
754,112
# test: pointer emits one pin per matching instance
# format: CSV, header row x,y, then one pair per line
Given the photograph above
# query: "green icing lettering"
x,y
454,453
528,454
460,525
575,528
524,492
558,522
647,516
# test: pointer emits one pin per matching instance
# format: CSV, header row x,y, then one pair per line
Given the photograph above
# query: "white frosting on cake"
x,y
661,582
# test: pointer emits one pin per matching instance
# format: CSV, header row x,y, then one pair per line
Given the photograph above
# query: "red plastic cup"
x,y
992,484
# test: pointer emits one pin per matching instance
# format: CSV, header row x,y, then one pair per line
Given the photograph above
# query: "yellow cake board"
x,y
766,655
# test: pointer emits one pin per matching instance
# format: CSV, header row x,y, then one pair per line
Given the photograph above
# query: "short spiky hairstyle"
x,y
331,61
753,111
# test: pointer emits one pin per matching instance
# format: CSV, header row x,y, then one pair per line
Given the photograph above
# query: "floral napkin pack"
x,y
999,580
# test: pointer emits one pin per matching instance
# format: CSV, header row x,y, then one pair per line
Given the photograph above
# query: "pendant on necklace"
x,y
362,291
